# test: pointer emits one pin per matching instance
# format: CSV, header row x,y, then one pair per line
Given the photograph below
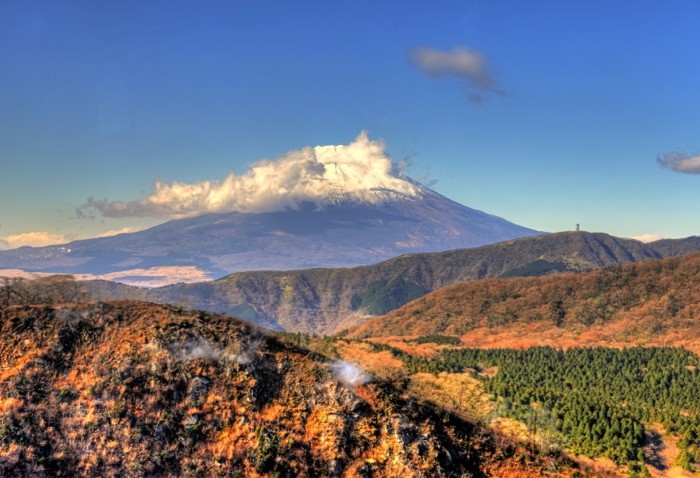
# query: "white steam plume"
x,y
320,175
349,374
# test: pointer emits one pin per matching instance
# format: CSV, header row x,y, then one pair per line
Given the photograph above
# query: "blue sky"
x,y
562,119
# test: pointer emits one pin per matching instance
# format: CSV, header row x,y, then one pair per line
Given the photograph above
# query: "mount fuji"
x,y
327,206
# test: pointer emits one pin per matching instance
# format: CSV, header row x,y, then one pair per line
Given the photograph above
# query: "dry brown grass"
x,y
664,449
649,303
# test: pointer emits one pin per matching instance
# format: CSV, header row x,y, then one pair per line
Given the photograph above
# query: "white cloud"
x,y
680,162
123,230
649,237
34,239
321,175
460,62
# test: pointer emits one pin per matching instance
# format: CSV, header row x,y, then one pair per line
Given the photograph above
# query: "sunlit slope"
x,y
653,302
134,389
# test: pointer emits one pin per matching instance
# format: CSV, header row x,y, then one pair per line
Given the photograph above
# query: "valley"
x,y
328,300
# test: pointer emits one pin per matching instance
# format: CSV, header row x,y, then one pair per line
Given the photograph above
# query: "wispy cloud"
x,y
460,62
680,162
361,170
34,239
649,237
123,230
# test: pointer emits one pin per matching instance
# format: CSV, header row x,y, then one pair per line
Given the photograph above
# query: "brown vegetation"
x,y
54,289
649,303
136,389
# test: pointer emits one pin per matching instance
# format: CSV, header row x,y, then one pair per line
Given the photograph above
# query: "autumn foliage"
x,y
136,389
649,303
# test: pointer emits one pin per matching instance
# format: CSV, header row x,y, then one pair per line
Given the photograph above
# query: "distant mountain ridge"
x,y
327,300
344,233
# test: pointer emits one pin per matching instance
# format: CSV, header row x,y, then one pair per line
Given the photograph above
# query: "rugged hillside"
x,y
135,389
654,302
327,300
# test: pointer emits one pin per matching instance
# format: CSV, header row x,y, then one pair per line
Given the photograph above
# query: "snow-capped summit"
x,y
360,171
323,206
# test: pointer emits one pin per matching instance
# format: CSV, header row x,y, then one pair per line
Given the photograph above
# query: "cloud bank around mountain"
x,y
116,232
680,162
321,175
649,237
460,62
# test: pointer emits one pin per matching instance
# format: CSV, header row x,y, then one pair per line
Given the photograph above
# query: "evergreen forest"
x,y
593,401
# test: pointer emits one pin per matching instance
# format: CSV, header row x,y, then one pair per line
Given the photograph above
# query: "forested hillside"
x,y
327,300
591,401
653,302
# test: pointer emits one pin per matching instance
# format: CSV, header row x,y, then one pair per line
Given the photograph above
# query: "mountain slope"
x,y
135,389
327,300
676,247
342,234
650,303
